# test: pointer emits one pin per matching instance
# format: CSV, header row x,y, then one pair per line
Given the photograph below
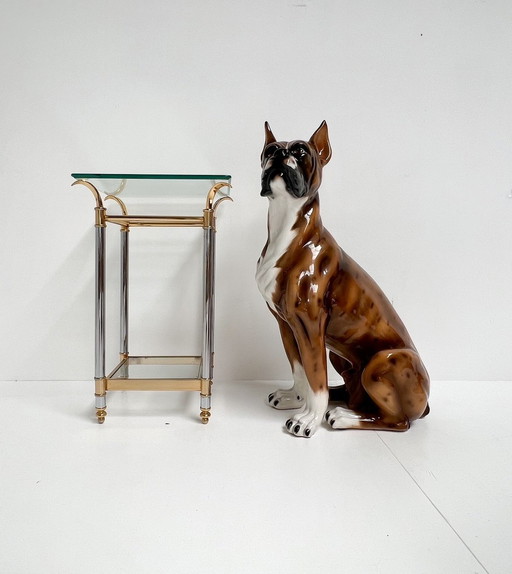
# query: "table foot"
x,y
101,414
205,416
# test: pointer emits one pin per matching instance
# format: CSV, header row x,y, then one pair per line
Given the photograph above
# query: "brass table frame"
x,y
118,379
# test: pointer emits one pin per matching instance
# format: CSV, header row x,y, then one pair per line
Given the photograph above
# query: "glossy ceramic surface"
x,y
324,301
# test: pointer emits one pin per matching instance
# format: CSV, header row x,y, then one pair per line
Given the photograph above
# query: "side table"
x,y
168,192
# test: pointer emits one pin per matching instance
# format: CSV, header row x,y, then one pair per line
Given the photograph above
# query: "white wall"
x,y
417,96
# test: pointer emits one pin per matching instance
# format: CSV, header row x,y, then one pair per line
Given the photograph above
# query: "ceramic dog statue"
x,y
323,300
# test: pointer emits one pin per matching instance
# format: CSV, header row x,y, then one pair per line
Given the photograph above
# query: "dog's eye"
x,y
299,152
270,150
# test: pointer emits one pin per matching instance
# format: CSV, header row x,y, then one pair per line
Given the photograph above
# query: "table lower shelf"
x,y
147,373
155,373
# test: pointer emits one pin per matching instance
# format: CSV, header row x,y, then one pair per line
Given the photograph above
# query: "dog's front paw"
x,y
282,399
306,421
303,424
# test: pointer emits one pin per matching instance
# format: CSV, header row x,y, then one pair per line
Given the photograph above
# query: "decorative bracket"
x,y
99,210
94,191
211,204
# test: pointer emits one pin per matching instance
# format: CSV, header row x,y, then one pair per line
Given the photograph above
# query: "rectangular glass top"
x,y
146,193
150,176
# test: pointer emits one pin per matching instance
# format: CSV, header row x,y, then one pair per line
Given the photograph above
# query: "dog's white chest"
x,y
282,215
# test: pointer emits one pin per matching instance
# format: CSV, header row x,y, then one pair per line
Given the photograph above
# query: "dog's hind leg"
x,y
293,398
398,385
350,394
339,393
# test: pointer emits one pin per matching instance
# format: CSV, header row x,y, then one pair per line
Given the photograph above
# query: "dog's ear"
x,y
269,136
320,141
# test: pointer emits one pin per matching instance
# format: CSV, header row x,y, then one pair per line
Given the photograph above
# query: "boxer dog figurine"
x,y
322,300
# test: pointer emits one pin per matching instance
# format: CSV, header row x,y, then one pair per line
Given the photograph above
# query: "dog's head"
x,y
295,166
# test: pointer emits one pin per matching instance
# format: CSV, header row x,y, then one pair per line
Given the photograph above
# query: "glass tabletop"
x,y
152,193
153,185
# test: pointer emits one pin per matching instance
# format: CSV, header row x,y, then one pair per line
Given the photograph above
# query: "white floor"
x,y
154,491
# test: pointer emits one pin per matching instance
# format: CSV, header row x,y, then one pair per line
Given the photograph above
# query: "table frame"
x,y
118,379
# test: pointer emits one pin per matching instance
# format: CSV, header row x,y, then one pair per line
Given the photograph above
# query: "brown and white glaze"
x,y
324,302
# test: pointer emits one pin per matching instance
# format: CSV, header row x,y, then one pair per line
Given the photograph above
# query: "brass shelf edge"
x,y
155,220
154,384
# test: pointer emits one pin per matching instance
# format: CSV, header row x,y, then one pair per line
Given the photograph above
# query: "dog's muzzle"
x,y
293,180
